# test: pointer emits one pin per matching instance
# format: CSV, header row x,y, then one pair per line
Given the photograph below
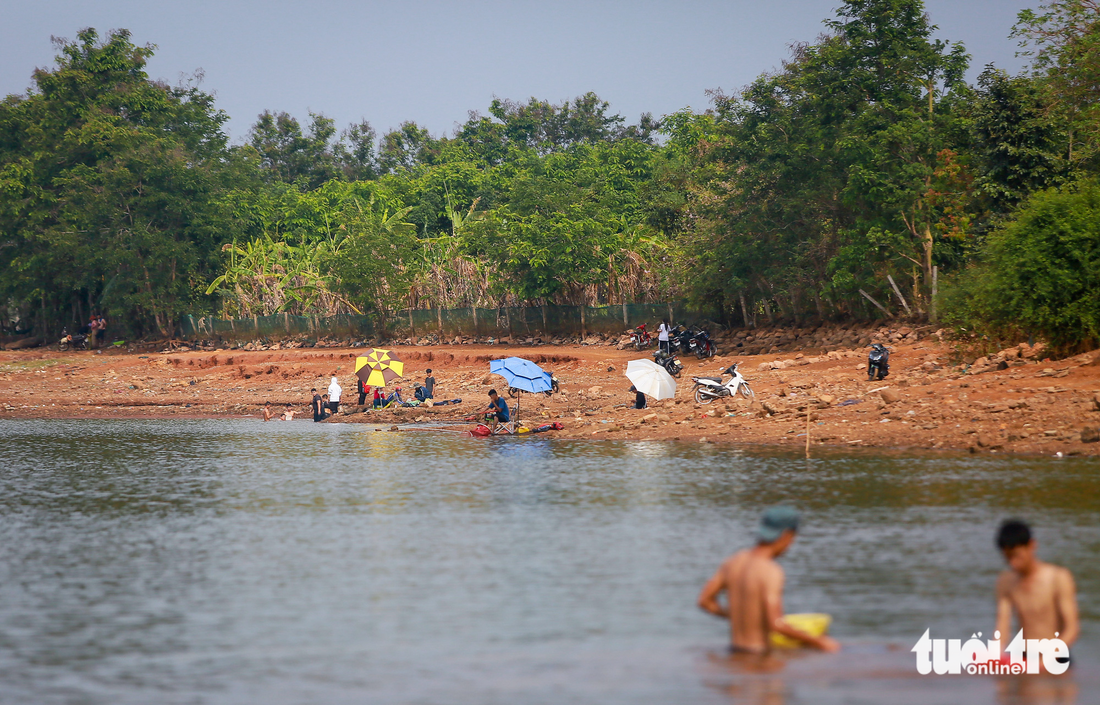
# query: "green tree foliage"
x,y
111,186
1063,39
1040,274
1018,148
865,156
823,177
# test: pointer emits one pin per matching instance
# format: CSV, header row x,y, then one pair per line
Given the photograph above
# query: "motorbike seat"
x,y
716,380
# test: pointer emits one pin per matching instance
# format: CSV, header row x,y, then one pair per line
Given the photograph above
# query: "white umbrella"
x,y
651,379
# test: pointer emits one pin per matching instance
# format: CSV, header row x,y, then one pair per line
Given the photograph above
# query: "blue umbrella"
x,y
521,374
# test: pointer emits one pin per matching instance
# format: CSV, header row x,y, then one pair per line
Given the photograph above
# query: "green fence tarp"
x,y
523,322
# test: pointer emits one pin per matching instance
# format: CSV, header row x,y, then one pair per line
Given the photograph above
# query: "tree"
x,y
1018,146
290,155
112,190
1040,273
405,148
1063,39
822,178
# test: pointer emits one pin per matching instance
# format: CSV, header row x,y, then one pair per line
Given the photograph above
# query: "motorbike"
x,y
641,337
555,387
707,389
669,361
679,340
77,341
701,344
878,362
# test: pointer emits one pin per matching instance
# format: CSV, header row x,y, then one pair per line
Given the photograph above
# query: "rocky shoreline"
x,y
1014,401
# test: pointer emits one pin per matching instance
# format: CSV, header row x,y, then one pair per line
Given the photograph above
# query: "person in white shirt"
x,y
662,335
334,392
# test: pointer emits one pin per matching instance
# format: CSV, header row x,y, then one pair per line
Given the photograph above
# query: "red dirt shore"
x,y
1015,404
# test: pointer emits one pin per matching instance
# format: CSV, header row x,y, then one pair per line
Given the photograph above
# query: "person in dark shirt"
x,y
639,398
316,404
429,385
363,392
498,407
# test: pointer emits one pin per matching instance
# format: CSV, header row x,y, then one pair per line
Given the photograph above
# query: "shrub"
x,y
1039,274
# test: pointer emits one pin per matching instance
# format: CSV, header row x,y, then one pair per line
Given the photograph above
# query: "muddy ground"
x,y
1013,402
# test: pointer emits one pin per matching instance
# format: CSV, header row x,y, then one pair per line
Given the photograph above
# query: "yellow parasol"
x,y
378,368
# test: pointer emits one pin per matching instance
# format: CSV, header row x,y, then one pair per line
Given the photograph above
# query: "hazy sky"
x,y
433,61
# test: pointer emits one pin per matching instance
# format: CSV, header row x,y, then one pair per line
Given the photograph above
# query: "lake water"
x,y
207,561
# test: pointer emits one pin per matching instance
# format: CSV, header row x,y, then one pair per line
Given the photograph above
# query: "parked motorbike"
x,y
679,340
878,362
641,338
555,387
701,344
76,342
669,361
707,389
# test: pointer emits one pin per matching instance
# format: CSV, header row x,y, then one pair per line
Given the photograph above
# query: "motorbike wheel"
x,y
746,391
710,351
701,398
63,347
871,375
678,372
639,345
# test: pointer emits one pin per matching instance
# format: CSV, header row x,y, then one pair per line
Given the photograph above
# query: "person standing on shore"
x,y
429,385
315,405
334,392
363,390
753,583
267,411
662,335
93,328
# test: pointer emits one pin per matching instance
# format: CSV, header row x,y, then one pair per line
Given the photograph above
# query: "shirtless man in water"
x,y
753,583
1041,595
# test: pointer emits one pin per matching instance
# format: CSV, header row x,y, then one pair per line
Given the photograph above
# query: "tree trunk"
x,y
745,311
926,265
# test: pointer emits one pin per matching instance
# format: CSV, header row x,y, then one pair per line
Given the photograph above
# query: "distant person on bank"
x,y
334,392
379,395
429,385
394,398
498,407
1042,596
363,390
315,405
267,411
753,583
662,335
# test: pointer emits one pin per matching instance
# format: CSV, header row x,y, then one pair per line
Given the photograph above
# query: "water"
x,y
240,562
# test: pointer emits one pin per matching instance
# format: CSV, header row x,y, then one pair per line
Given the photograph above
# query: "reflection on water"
x,y
243,562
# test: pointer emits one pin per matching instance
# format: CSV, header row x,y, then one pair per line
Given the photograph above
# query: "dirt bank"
x,y
1015,402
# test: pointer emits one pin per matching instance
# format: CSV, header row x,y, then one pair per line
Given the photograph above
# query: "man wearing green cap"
x,y
753,583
